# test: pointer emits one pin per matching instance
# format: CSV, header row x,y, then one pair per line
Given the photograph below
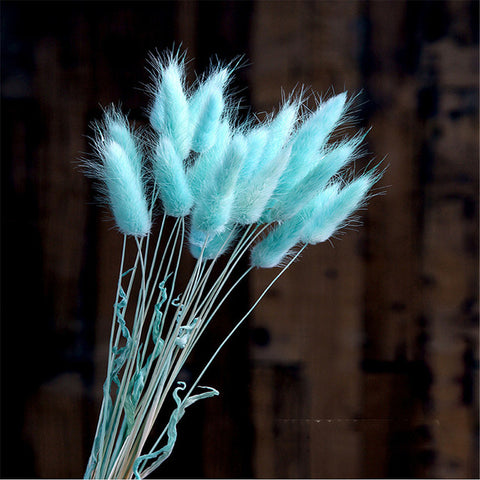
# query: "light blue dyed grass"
x,y
212,246
300,192
169,112
170,179
214,205
201,173
319,220
265,162
332,209
254,193
310,138
118,129
261,188
121,173
206,107
125,192
256,139
278,244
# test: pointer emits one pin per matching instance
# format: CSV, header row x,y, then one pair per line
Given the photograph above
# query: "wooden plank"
x,y
393,300
312,316
63,189
450,260
262,401
55,427
452,337
59,85
392,293
333,357
431,137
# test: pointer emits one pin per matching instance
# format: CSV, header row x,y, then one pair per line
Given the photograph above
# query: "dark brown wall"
x,y
362,361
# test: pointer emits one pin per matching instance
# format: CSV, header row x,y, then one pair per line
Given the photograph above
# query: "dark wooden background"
x,y
363,360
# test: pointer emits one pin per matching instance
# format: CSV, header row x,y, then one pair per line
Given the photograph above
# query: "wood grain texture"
x,y
313,314
362,361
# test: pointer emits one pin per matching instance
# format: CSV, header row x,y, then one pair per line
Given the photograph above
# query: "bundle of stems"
x,y
261,189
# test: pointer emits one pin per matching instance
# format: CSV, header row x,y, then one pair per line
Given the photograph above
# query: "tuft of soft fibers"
x,y
276,246
279,130
333,207
266,160
253,195
309,140
118,129
256,142
169,112
266,142
201,173
171,179
301,192
206,108
212,245
124,189
213,207
316,222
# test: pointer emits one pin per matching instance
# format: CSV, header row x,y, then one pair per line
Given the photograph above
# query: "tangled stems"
x,y
154,360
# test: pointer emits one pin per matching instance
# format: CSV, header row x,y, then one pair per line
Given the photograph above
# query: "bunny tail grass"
x,y
279,130
206,107
265,162
253,196
119,169
201,173
171,179
310,139
276,246
169,112
214,207
333,207
259,188
211,246
118,129
256,143
300,193
125,192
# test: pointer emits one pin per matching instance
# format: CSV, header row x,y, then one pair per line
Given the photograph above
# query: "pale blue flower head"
x,y
120,171
278,243
285,171
298,193
213,208
171,179
310,139
206,107
213,245
169,111
333,208
319,220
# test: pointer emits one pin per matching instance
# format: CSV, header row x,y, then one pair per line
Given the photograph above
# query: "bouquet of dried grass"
x,y
265,189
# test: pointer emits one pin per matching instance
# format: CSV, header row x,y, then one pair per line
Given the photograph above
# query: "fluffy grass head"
x,y
171,179
119,169
333,208
206,107
226,174
212,246
169,110
213,209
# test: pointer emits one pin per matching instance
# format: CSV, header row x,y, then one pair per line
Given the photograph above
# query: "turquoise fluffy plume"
x,y
202,162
